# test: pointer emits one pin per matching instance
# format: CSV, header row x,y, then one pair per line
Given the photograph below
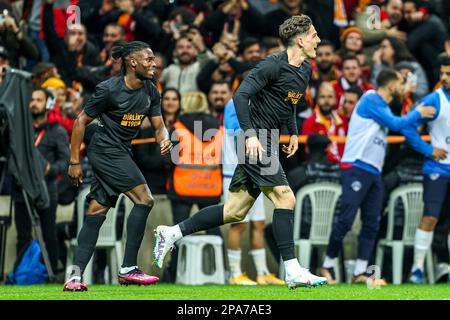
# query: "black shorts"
x,y
114,173
254,176
436,190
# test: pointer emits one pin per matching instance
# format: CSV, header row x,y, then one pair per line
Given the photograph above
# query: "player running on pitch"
x,y
120,103
265,101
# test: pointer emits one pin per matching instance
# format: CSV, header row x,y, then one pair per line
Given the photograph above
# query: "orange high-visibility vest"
x,y
197,172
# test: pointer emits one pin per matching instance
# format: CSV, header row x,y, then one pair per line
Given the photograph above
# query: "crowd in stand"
x,y
204,49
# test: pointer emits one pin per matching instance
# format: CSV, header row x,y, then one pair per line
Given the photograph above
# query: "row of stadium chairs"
x,y
324,197
200,259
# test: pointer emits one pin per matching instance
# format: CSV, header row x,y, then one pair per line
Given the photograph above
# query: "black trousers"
x,y
48,224
181,211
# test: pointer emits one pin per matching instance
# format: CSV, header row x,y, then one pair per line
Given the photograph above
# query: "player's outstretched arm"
x,y
161,134
75,172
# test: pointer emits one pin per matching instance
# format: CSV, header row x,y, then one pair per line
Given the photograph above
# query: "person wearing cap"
x,y
352,41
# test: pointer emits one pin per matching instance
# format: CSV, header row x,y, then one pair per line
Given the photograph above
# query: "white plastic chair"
x,y
323,197
411,197
200,260
107,239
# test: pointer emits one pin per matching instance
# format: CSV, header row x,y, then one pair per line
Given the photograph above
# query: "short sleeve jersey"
x,y
120,112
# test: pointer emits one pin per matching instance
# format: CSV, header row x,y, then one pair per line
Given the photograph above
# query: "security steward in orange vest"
x,y
196,177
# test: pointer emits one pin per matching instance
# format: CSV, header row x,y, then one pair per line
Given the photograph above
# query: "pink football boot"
x,y
136,277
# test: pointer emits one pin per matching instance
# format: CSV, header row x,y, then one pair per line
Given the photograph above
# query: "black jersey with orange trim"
x,y
120,111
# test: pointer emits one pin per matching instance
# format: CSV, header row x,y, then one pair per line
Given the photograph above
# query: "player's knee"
x,y
428,223
148,201
237,216
287,200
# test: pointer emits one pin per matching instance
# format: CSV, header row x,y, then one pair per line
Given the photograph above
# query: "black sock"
x,y
283,230
87,239
205,219
135,232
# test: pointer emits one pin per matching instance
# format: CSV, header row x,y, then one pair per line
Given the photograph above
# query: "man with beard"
x,y
190,57
113,32
218,97
323,67
120,104
436,169
53,144
327,121
361,179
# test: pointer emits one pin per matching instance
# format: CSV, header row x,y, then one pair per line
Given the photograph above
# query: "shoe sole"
x,y
79,289
313,285
128,282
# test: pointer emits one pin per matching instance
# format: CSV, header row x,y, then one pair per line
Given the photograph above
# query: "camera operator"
x,y
53,144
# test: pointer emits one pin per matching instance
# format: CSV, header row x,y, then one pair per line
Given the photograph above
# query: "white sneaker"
x,y
305,279
164,243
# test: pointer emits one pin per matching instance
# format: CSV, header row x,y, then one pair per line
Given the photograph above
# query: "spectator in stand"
x,y
113,33
323,68
392,52
191,55
219,95
233,16
352,44
43,71
327,121
351,98
426,37
161,64
14,39
390,16
58,89
153,165
351,75
201,185
286,9
72,53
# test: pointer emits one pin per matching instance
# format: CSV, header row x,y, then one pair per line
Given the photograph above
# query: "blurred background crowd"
x,y
204,49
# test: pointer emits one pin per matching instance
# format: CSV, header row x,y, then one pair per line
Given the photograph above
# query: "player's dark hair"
x,y
356,90
387,76
326,43
247,43
294,26
219,82
444,60
125,49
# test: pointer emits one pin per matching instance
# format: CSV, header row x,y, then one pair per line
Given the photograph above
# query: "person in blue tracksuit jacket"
x,y
362,163
436,169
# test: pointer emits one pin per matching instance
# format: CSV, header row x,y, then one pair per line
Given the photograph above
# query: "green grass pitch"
x,y
217,292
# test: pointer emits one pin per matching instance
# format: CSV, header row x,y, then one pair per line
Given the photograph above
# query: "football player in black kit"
x,y
120,104
265,101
